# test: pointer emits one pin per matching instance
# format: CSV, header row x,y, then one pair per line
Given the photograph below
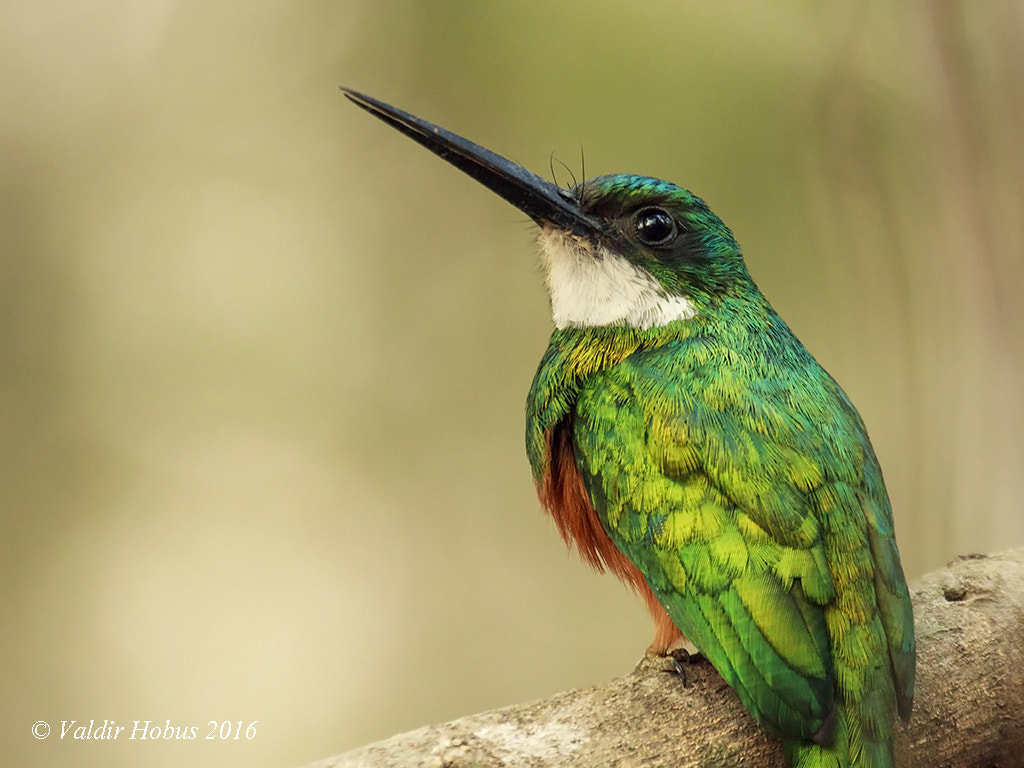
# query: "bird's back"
x,y
734,473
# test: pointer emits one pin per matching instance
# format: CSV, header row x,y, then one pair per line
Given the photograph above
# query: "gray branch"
x,y
968,707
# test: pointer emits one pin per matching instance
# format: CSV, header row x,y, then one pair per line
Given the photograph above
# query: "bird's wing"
x,y
894,606
728,501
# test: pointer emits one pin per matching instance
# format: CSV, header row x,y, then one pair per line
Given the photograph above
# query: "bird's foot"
x,y
681,658
674,660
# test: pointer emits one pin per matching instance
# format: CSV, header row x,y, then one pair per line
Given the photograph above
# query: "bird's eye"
x,y
654,226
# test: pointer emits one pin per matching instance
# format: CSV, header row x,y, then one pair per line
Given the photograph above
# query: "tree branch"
x,y
968,707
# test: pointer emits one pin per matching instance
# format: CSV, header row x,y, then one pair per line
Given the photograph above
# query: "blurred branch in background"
x,y
924,179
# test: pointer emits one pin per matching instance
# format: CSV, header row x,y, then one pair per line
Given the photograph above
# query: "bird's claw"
x,y
679,658
673,661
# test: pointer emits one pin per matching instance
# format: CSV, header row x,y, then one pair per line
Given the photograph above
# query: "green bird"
x,y
683,438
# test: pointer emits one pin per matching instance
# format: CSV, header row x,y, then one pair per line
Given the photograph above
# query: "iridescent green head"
x,y
660,254
620,250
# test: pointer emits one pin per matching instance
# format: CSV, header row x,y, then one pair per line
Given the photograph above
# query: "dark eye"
x,y
654,226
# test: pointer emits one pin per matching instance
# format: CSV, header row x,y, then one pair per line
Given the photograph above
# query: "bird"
x,y
684,439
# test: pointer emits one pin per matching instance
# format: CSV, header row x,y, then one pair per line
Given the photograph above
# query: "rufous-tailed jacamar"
x,y
683,438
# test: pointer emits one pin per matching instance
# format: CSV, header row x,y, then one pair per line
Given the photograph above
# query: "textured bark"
x,y
968,707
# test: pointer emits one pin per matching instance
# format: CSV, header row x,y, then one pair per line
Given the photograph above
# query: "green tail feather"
x,y
863,737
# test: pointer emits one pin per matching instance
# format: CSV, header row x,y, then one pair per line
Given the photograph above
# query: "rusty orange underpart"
x,y
564,496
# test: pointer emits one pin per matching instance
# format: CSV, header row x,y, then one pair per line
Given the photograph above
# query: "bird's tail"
x,y
863,738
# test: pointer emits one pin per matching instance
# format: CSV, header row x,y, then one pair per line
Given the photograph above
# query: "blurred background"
x,y
263,361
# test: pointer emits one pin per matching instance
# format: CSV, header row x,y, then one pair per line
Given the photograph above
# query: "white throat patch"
x,y
591,286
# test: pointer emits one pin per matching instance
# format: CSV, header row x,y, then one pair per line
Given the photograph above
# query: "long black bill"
x,y
541,200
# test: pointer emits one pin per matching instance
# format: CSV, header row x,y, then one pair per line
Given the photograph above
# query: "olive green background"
x,y
263,360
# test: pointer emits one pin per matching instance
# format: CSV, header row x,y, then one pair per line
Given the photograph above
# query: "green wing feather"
x,y
753,504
